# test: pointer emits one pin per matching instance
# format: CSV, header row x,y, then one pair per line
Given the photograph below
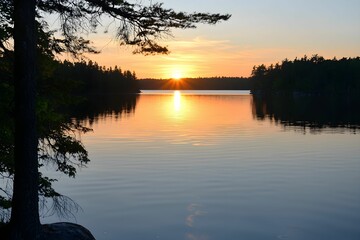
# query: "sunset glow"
x,y
174,69
176,75
210,51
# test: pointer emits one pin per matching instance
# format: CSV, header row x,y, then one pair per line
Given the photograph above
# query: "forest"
x,y
94,79
82,78
314,75
66,85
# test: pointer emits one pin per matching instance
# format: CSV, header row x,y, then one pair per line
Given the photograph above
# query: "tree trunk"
x,y
25,222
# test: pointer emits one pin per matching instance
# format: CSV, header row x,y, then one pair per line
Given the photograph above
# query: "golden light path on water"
x,y
177,101
185,117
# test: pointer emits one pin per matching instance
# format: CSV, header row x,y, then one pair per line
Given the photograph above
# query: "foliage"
x,y
314,75
59,146
94,79
138,24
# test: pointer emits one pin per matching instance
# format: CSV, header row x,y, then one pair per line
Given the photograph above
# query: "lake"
x,y
218,165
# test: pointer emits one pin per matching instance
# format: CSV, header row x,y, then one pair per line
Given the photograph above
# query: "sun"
x,y
176,75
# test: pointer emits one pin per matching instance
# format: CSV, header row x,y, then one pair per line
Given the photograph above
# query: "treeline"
x,y
215,83
61,79
94,79
314,75
64,84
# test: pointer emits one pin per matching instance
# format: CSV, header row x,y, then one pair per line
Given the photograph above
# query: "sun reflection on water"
x,y
177,101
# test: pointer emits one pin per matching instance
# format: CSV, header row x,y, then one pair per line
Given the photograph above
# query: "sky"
x,y
259,32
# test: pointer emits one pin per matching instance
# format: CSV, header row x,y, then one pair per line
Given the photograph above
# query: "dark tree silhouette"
x,y
314,76
25,223
139,25
93,79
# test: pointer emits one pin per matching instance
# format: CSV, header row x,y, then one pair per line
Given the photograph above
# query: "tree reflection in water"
x,y
313,113
99,106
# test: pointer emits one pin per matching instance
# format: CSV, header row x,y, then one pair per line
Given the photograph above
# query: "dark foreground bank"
x,y
57,231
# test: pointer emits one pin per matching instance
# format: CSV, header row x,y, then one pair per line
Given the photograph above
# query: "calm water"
x,y
217,166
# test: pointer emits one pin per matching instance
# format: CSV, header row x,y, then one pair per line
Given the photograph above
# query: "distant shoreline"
x,y
216,83
306,76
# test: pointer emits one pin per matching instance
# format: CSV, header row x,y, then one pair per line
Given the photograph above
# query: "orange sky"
x,y
259,32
